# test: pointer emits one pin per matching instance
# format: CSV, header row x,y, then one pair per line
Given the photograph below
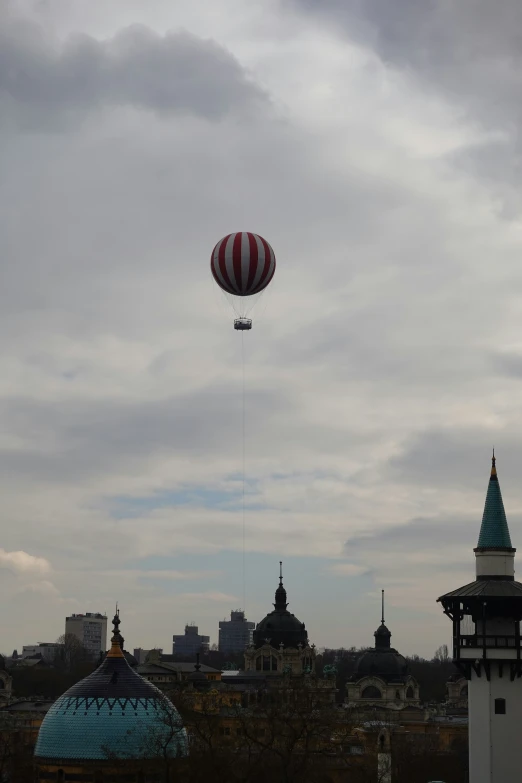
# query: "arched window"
x,y
464,691
500,706
274,663
2,684
371,692
60,775
397,695
266,663
409,693
259,662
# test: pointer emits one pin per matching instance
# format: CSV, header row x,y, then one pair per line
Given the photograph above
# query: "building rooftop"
x,y
487,588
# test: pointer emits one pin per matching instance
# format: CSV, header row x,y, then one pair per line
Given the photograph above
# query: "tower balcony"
x,y
486,617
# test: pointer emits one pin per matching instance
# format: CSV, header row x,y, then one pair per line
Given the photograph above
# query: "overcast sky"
x,y
375,144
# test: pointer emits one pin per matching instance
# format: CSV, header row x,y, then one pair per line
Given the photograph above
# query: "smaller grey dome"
x,y
387,664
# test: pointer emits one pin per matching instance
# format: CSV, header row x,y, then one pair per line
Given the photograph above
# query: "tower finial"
x,y
280,595
382,607
116,650
493,464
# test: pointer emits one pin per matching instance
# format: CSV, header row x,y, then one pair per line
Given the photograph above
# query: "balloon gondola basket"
x,y
242,324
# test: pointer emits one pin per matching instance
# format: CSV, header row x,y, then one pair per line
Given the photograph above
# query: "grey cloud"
x,y
73,439
459,458
469,47
470,52
177,73
70,439
509,364
419,535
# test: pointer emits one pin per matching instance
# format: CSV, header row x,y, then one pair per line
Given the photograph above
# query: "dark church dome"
x,y
280,627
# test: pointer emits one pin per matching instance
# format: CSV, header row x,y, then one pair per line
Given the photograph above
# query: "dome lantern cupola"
x,y
280,594
382,634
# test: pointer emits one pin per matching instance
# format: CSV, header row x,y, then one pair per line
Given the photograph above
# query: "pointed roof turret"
x,y
494,531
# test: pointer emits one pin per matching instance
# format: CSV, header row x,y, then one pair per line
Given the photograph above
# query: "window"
x,y
500,706
225,731
409,693
371,692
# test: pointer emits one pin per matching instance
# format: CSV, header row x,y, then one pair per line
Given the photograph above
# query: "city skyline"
x,y
384,362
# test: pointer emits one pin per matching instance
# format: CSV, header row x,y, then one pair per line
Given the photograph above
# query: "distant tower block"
x,y
486,618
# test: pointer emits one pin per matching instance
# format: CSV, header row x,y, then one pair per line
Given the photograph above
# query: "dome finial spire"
x,y
493,464
382,607
116,650
280,594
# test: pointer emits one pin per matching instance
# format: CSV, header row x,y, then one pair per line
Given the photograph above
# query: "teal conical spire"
x,y
494,531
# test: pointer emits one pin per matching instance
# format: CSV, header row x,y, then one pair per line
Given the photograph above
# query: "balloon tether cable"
x,y
244,530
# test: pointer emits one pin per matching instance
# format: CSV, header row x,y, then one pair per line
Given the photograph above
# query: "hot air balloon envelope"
x,y
243,264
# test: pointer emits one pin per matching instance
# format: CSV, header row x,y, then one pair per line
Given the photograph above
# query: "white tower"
x,y
486,618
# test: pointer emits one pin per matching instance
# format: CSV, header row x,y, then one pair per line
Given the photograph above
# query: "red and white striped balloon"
x,y
243,263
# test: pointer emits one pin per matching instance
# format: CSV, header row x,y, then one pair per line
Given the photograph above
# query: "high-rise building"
x,y
141,655
191,642
90,629
49,651
235,634
486,617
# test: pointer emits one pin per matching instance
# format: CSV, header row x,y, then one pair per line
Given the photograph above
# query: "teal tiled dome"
x,y
112,713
